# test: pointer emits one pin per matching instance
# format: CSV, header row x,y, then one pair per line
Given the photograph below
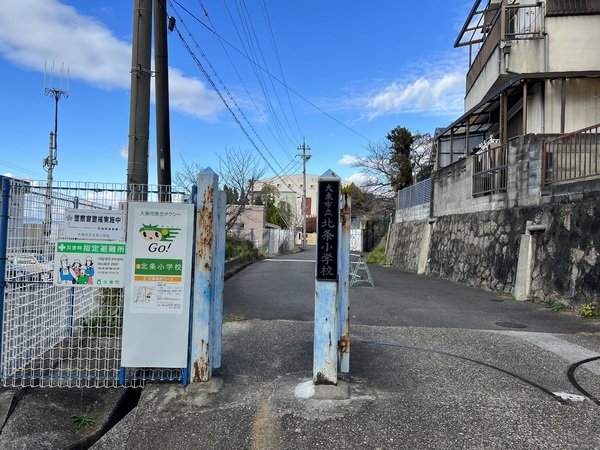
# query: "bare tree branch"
x,y
239,169
185,178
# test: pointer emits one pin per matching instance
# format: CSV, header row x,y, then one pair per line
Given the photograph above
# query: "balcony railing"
x,y
520,22
523,22
490,170
572,156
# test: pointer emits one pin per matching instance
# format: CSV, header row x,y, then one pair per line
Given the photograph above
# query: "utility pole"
x,y
52,159
139,111
305,157
161,84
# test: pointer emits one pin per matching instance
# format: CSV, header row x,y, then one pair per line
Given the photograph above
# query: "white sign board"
x,y
94,224
89,263
158,285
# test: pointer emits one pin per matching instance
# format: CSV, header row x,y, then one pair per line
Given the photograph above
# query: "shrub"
x,y
240,248
377,255
589,310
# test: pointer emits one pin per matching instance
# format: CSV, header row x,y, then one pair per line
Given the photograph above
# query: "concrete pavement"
x,y
415,382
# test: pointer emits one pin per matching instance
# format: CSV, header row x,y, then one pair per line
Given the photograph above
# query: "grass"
x,y
83,420
377,255
555,305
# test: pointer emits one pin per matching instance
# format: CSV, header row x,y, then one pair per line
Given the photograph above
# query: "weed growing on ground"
x,y
589,310
83,420
377,255
108,318
555,305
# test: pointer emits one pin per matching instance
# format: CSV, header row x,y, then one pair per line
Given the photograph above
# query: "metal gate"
x,y
54,335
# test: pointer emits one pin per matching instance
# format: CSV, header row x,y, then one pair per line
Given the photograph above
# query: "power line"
x,y
209,79
274,77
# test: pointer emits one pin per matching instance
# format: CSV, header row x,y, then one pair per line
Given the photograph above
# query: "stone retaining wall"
x,y
481,249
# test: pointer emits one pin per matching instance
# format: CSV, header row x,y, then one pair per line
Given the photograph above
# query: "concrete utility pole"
x,y
52,159
305,157
161,84
139,112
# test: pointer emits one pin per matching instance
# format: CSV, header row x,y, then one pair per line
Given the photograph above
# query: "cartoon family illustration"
x,y
76,273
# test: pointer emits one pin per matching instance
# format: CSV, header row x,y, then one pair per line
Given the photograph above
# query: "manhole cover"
x,y
511,325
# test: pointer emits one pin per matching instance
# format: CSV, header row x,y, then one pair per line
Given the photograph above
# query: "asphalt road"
x,y
282,288
433,365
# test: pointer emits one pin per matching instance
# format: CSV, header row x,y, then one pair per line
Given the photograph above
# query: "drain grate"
x,y
511,325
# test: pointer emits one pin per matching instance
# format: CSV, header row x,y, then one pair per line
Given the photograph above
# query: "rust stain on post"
x,y
205,226
345,211
201,365
344,342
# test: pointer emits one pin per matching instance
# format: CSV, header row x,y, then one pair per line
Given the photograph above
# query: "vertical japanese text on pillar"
x,y
328,229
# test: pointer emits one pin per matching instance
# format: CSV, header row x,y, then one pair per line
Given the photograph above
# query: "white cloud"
x,y
124,152
437,95
348,160
8,175
33,31
360,179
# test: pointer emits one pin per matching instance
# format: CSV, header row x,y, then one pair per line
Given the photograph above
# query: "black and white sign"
x,y
328,229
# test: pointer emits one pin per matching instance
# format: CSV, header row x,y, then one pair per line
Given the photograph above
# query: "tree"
x,y
397,162
184,179
422,156
361,199
232,195
268,195
278,213
238,171
400,143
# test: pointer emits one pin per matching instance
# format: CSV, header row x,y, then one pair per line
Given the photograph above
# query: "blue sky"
x,y
340,74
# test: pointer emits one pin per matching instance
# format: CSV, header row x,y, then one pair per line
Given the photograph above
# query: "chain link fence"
x,y
61,336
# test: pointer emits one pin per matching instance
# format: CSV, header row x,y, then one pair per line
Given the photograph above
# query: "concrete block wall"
x,y
481,249
417,212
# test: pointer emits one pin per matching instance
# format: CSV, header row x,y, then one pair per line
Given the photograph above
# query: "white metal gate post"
x,y
327,278
4,214
203,307
219,269
344,299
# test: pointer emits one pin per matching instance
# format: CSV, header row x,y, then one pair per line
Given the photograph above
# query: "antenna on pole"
x,y
52,159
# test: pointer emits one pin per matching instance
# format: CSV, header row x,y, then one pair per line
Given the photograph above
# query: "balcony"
x,y
495,24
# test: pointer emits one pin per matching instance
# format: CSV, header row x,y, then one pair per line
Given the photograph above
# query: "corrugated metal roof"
x,y
572,7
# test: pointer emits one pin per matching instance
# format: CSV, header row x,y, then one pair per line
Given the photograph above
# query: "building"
x,y
291,191
513,203
534,68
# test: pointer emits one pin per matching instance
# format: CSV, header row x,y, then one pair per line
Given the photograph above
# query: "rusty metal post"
x,y
219,268
201,345
344,299
326,332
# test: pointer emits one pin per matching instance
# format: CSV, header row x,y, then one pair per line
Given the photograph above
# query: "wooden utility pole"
x,y
139,112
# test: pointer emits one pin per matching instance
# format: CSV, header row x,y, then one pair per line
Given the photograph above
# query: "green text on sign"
x,y
95,248
148,266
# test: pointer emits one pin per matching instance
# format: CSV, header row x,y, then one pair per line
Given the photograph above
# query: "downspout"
x,y
546,58
546,49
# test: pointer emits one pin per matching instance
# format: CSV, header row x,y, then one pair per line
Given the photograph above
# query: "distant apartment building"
x,y
291,190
